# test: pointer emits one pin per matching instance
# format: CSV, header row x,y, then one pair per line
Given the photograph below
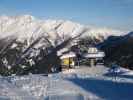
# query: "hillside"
x,y
119,50
29,44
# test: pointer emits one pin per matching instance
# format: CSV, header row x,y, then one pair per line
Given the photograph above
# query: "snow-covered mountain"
x,y
29,27
27,41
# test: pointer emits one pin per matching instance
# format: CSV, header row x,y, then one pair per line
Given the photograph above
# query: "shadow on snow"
x,y
106,89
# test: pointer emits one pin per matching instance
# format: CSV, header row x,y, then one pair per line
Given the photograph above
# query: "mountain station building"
x,y
94,56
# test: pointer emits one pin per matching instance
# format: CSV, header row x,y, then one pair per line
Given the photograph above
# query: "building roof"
x,y
93,52
60,52
68,55
94,55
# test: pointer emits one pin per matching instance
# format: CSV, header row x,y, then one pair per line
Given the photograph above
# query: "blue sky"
x,y
116,14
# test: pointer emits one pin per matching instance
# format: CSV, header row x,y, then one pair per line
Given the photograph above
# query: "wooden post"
x,y
92,61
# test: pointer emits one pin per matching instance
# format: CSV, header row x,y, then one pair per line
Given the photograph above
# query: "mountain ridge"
x,y
25,26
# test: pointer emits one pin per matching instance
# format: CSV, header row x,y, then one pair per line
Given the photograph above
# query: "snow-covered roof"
x,y
62,51
94,55
92,50
68,55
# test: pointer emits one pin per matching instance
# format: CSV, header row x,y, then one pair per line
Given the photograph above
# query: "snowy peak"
x,y
26,26
105,32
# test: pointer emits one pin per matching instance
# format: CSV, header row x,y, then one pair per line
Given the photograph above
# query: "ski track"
x,y
89,83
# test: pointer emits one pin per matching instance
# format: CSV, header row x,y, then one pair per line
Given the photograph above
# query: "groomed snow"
x,y
76,84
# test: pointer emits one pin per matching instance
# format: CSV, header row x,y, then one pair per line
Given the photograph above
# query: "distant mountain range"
x,y
27,27
119,50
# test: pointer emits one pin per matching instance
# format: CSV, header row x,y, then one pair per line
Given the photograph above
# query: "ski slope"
x,y
76,84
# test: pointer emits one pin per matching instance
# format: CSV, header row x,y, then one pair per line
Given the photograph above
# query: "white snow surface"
x,y
83,83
